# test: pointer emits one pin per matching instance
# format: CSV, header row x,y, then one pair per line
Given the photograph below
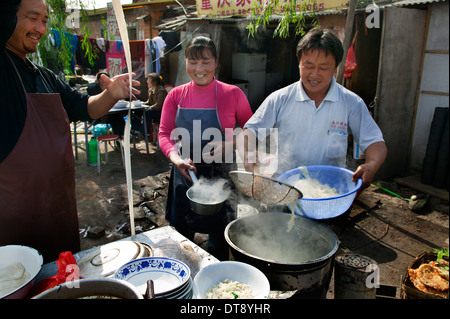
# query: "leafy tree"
x,y
58,58
295,12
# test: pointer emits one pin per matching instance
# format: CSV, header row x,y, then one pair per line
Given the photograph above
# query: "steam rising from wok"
x,y
264,236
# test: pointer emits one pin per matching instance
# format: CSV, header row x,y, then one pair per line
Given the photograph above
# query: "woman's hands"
x,y
182,165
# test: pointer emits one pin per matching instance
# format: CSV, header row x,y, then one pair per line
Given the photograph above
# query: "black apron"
x,y
178,211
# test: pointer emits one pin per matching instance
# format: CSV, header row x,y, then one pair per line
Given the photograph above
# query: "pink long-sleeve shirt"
x,y
232,107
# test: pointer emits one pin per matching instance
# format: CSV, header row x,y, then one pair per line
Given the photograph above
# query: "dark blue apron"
x,y
178,211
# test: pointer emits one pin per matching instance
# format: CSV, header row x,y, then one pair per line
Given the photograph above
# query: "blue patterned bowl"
x,y
168,275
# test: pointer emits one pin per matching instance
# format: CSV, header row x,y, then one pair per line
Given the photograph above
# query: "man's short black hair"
x,y
319,39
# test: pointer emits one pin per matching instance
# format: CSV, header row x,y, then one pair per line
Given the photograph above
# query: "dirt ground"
x,y
379,225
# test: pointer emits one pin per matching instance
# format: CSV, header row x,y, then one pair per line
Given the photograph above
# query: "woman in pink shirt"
x,y
197,123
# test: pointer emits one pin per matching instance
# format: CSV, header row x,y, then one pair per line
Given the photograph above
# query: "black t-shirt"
x,y
36,79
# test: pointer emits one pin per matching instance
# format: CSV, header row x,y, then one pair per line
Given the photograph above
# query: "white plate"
x,y
104,261
136,103
120,105
183,292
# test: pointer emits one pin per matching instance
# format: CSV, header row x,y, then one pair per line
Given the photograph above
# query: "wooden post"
x,y
347,39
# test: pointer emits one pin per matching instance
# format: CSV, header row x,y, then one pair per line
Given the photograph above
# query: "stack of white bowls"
x,y
171,277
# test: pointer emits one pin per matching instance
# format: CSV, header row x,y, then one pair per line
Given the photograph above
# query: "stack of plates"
x,y
105,260
171,277
136,103
121,105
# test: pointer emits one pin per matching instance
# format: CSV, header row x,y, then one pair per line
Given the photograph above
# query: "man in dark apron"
x,y
37,169
38,181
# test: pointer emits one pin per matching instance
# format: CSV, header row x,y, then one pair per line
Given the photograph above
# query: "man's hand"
x,y
116,89
375,155
119,86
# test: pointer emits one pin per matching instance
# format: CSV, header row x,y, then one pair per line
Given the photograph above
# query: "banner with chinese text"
x,y
227,8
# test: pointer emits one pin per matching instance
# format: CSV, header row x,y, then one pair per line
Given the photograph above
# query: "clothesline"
x,y
109,54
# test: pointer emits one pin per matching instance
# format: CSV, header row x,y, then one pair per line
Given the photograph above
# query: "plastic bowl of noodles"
x,y
248,282
19,266
329,176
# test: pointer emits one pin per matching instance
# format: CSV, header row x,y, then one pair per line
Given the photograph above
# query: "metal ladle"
x,y
191,172
150,291
193,176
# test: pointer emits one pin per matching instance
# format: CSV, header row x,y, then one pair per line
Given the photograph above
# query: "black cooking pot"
x,y
294,254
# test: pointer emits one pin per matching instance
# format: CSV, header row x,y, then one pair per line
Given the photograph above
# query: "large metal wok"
x,y
298,258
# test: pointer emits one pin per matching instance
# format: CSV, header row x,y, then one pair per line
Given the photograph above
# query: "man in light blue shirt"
x,y
314,116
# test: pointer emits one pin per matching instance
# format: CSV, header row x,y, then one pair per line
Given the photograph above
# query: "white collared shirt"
x,y
314,136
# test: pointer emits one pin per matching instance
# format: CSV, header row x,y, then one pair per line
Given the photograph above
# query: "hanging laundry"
x,y
115,58
172,41
120,46
99,60
137,50
150,57
148,46
101,44
73,40
159,46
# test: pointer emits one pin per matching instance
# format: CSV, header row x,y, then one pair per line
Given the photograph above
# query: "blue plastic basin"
x,y
324,208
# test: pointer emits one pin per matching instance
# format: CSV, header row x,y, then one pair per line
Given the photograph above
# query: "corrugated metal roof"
x,y
414,2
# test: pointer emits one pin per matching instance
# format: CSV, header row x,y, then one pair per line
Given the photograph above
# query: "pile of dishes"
x,y
105,260
120,105
171,277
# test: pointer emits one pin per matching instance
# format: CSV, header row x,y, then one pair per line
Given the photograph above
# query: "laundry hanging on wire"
x,y
154,50
109,55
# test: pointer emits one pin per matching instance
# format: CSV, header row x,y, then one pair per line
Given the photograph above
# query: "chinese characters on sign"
x,y
226,8
113,28
113,64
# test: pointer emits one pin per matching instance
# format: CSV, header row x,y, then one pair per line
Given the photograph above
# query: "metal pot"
x,y
299,258
203,208
101,288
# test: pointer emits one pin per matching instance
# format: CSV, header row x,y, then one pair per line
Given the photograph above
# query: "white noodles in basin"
x,y
312,188
228,289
